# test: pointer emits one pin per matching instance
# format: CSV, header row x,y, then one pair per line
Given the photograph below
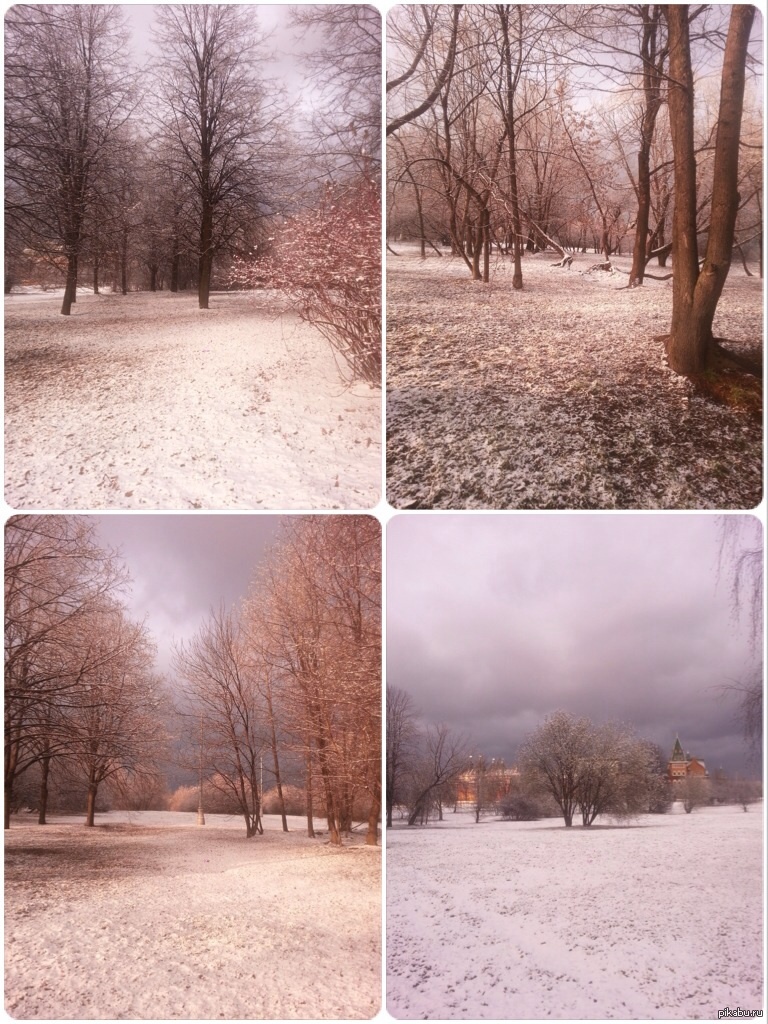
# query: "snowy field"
x,y
507,920
556,396
148,916
146,401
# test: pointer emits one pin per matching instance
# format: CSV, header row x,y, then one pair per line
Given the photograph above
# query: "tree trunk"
x,y
309,795
70,288
486,226
695,293
45,767
642,221
175,258
7,801
372,836
206,257
90,807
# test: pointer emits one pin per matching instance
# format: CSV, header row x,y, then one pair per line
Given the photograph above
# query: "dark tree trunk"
x,y
206,257
45,767
696,293
174,285
653,68
70,288
7,801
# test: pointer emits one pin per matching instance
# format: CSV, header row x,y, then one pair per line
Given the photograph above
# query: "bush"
x,y
185,798
328,260
294,797
520,808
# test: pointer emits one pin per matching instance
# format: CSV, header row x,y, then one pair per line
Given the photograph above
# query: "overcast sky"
x,y
284,50
182,566
495,621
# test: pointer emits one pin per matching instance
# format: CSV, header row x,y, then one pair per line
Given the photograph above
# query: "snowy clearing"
x,y
149,916
146,401
556,396
503,920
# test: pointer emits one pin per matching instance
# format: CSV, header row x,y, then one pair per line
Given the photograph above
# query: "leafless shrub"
x,y
520,808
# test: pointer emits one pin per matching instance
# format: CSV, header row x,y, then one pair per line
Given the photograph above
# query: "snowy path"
x,y
138,922
556,396
144,401
523,921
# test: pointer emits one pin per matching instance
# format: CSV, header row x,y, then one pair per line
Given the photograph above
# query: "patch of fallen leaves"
x,y
557,396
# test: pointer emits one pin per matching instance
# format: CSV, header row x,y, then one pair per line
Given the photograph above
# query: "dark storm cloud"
x,y
183,566
495,621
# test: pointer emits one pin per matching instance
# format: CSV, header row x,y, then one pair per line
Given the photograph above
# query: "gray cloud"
x,y
495,621
182,566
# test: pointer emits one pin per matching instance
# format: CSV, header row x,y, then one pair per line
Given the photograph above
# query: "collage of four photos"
x,y
384,512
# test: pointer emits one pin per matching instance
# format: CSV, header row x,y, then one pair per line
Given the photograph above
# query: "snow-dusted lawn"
x,y
507,920
148,916
556,396
146,401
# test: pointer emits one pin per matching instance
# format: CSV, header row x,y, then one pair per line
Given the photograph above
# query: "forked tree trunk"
x,y
695,293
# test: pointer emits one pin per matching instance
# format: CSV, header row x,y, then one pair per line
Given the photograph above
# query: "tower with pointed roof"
x,y
681,765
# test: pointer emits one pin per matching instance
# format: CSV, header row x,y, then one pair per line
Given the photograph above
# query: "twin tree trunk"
x,y
696,292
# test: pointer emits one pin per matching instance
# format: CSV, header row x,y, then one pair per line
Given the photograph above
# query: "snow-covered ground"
x,y
145,401
502,920
149,916
556,396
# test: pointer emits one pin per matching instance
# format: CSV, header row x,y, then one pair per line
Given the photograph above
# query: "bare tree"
x,y
115,727
346,76
616,775
214,664
442,756
418,64
400,733
322,641
215,117
68,92
694,791
597,769
555,756
740,565
56,576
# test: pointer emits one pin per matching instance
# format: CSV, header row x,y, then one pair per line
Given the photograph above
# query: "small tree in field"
x,y
328,260
694,792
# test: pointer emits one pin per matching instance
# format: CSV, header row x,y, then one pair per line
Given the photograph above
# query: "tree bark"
x,y
653,66
372,836
309,797
206,257
45,767
695,293
90,807
70,288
